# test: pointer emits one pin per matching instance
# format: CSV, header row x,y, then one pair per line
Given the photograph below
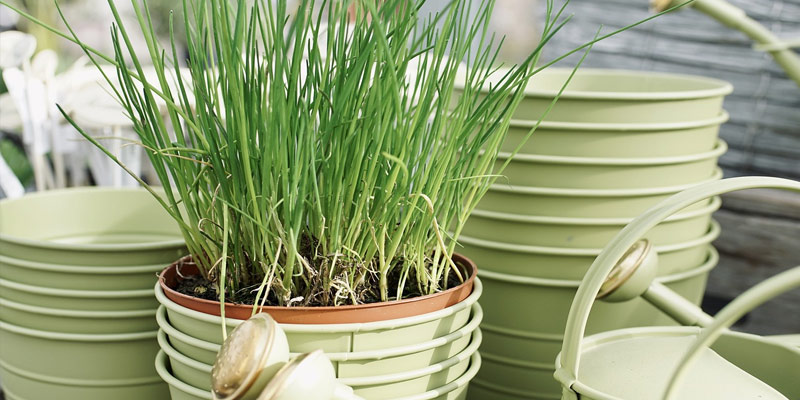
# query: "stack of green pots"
x,y
615,144
428,356
77,309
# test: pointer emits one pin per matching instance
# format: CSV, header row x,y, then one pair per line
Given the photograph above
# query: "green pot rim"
x,y
712,234
621,127
174,354
166,375
710,263
79,382
92,191
714,205
462,356
565,192
722,88
466,330
720,148
77,269
86,294
332,328
59,312
461,381
161,319
78,337
355,381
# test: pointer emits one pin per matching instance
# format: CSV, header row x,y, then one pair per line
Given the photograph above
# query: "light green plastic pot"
x,y
89,357
56,276
549,301
531,230
405,383
455,390
608,173
349,364
71,321
625,139
679,362
19,384
580,203
572,263
79,300
619,96
89,227
336,338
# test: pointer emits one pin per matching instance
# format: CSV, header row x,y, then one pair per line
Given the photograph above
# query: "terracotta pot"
x,y
169,278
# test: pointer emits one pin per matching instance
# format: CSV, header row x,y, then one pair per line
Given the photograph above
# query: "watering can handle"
x,y
567,369
747,301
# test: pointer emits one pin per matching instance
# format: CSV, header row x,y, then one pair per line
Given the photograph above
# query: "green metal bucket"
x,y
78,357
405,383
80,300
572,263
76,277
335,338
386,361
89,227
530,230
678,359
620,96
580,203
608,173
575,139
19,384
76,321
455,390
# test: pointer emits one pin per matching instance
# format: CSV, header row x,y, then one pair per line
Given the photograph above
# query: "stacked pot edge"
x,y
77,308
429,356
615,144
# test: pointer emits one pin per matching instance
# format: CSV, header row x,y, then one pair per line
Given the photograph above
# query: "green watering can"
x,y
674,362
735,18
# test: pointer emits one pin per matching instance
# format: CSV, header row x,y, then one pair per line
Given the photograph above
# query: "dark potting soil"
x,y
200,287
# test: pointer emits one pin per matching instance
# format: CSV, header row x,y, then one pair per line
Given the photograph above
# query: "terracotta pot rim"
x,y
183,299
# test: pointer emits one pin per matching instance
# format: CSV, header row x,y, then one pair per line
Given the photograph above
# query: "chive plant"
x,y
320,155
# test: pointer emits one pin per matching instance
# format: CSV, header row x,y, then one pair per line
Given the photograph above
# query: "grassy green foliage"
x,y
319,156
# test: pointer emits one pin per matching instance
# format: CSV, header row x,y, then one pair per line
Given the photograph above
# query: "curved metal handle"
x,y
747,301
736,18
584,298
